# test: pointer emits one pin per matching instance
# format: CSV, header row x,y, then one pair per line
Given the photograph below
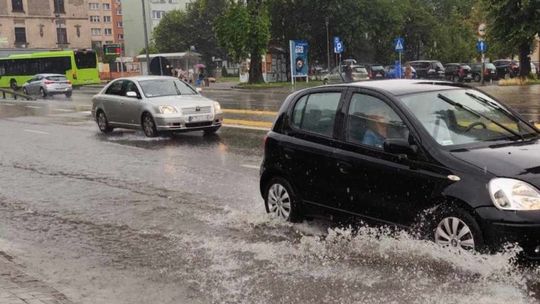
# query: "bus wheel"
x,y
43,93
13,84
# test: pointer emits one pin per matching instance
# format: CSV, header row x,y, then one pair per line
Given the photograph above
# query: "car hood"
x,y
518,160
182,101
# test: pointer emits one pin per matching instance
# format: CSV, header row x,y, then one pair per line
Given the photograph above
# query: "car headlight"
x,y
512,194
167,109
217,107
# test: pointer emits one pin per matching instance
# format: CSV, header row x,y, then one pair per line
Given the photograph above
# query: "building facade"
x,y
44,24
118,22
105,17
133,20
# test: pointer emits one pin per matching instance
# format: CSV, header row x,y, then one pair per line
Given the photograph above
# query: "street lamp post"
x,y
146,39
327,21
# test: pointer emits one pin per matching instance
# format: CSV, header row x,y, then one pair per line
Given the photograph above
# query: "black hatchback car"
x,y
409,153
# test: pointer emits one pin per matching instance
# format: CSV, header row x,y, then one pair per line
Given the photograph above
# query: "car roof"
x,y
147,77
399,87
48,75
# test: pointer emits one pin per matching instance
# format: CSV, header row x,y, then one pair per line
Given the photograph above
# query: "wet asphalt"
x,y
121,218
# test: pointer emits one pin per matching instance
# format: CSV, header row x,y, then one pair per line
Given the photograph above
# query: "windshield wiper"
x,y
479,115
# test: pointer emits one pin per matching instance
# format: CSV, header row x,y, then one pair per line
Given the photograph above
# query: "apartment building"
x,y
44,24
118,23
133,20
100,15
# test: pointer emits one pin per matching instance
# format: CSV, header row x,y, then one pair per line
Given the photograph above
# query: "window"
x,y
370,121
115,88
59,7
108,31
120,24
130,86
106,6
20,35
85,59
119,12
317,112
120,36
61,34
96,32
157,14
93,6
30,67
107,19
94,19
17,5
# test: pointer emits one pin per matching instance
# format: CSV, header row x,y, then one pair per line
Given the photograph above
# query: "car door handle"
x,y
344,168
288,152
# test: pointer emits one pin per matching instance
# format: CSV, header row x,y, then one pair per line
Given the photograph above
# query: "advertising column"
x,y
299,59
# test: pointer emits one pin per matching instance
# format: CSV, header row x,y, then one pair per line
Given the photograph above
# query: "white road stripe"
x,y
7,104
251,167
33,107
64,110
35,131
246,127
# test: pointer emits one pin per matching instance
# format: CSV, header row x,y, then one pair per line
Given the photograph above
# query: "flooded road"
x,y
121,218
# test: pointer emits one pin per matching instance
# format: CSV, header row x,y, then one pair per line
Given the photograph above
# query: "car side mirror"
x,y
399,146
199,90
131,94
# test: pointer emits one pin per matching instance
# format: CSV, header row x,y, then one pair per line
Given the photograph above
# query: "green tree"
x,y
244,29
516,22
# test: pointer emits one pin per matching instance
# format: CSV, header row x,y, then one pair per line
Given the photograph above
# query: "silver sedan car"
x,y
47,85
155,104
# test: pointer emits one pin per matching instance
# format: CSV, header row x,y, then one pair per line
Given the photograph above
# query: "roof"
x,y
170,55
399,87
146,77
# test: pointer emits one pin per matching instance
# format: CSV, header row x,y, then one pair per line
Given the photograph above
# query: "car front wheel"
x,y
281,201
149,126
103,123
458,229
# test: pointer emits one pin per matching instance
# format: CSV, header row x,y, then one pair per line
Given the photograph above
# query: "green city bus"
x,y
79,66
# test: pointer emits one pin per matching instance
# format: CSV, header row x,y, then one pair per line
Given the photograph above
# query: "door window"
x,y
316,113
130,86
115,88
370,121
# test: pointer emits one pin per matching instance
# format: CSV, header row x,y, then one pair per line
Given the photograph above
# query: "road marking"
x,y
251,112
33,107
63,110
8,104
36,132
248,123
251,167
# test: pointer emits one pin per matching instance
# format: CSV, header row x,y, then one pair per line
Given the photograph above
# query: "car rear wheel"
x,y
103,123
325,81
477,78
25,91
42,92
149,126
68,94
281,201
457,228
13,85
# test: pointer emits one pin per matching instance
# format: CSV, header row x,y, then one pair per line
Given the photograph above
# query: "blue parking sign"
x,y
338,45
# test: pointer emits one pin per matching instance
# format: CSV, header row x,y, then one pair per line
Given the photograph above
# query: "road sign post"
x,y
338,49
398,47
481,47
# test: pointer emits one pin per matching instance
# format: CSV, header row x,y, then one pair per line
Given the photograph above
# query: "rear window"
x,y
490,66
85,60
377,68
359,70
316,113
56,78
438,65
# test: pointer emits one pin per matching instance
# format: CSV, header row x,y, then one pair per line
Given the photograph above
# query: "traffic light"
x,y
112,49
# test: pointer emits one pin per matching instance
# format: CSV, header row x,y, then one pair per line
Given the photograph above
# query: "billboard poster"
x,y
299,58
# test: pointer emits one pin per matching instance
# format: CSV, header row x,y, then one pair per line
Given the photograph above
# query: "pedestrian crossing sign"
x,y
398,44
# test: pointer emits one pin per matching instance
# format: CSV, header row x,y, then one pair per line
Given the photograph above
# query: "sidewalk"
x,y
16,287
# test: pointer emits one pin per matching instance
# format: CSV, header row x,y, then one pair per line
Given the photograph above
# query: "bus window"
x,y
85,60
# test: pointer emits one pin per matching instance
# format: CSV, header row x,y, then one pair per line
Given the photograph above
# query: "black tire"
x,y
13,85
465,220
42,93
477,78
25,91
274,189
325,81
455,78
211,131
149,126
103,122
68,94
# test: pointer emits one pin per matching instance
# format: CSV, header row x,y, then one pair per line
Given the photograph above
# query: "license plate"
x,y
199,118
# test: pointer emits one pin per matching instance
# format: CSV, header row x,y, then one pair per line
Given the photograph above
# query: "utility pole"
x,y
146,39
327,22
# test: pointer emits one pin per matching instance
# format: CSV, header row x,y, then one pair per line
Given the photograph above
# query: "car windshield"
x,y
359,70
165,87
377,68
490,66
460,117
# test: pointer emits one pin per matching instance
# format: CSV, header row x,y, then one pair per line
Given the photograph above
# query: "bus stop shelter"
x,y
162,64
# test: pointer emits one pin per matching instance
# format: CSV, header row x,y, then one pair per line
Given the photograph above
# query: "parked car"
x,y
358,73
506,68
155,104
375,71
458,72
449,160
390,72
428,69
490,71
48,85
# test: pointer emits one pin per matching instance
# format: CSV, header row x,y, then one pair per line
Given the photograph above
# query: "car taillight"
x,y
69,81
48,82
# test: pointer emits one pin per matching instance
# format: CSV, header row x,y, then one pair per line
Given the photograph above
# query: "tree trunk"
x,y
255,68
524,60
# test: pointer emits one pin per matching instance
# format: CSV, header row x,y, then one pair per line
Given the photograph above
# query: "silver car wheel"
x,y
149,126
102,121
279,201
453,232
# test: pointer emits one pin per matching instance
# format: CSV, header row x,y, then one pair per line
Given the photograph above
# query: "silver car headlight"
x,y
167,110
513,194
217,108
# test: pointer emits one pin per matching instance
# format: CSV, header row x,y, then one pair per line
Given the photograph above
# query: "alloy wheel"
x,y
149,126
453,232
102,121
279,201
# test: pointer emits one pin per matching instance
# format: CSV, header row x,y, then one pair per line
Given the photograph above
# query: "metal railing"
x,y
5,93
